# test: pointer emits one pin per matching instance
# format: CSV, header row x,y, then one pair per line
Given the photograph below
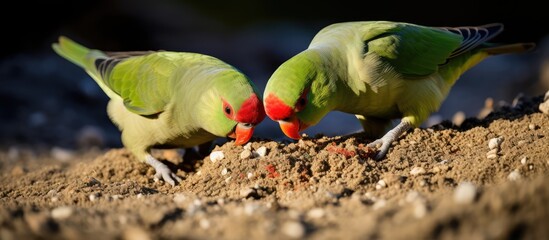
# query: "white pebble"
x,y
248,146
293,229
224,171
61,154
465,193
139,195
262,151
544,107
216,156
531,126
250,175
523,161
245,154
381,184
227,180
417,171
316,213
494,143
514,175
117,196
492,154
204,223
61,213
92,197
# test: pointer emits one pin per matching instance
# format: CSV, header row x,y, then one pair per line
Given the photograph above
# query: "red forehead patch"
x,y
276,109
251,111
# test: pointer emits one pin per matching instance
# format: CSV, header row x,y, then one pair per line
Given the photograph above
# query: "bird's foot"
x,y
162,171
388,139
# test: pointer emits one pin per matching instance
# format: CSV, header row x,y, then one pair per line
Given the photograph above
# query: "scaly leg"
x,y
162,171
389,138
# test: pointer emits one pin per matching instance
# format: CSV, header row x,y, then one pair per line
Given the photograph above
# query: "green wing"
x,y
411,49
415,50
142,80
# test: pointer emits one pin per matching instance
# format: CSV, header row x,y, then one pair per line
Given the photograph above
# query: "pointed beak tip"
x,y
243,134
291,129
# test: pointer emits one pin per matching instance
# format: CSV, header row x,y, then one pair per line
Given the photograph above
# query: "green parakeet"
x,y
379,71
162,99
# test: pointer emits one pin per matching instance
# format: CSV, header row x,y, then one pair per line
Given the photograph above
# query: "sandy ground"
x,y
483,179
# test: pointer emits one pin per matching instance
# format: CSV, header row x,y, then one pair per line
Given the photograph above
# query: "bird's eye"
x,y
227,109
302,101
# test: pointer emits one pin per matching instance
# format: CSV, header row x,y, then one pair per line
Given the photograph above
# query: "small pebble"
x,y
381,184
116,197
458,118
544,107
494,143
216,156
92,197
245,154
523,161
61,213
293,229
248,146
227,180
531,126
262,151
465,193
204,223
250,175
61,154
224,171
514,175
316,213
492,154
417,171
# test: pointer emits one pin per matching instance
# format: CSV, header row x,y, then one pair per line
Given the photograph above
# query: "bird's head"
x,y
299,93
233,109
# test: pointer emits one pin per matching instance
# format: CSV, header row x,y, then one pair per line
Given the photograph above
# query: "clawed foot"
x,y
385,145
162,171
388,139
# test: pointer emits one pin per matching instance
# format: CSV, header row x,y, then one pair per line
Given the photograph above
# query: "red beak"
x,y
291,127
242,134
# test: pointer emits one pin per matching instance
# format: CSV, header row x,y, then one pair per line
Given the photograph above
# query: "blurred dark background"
x,y
47,101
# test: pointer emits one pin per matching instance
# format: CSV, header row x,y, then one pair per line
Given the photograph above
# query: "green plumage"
x,y
164,99
381,70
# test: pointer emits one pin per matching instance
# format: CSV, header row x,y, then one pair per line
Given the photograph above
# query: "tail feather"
x,y
71,50
83,57
509,48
